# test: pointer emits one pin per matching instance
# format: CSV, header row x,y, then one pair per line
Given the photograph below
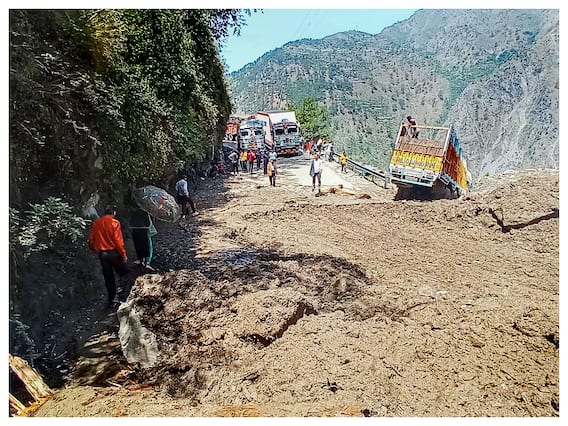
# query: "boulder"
x,y
139,345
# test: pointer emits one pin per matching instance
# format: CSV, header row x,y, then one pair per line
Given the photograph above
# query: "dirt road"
x,y
278,302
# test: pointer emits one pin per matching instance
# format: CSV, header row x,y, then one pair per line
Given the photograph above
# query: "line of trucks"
x,y
266,130
433,160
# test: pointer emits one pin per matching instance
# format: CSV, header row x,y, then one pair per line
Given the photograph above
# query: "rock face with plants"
x,y
100,101
493,74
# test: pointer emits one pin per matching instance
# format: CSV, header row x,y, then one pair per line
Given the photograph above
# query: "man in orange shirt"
x,y
105,239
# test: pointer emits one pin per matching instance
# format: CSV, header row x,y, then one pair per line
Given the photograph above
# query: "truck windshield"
x,y
244,133
258,132
292,130
279,131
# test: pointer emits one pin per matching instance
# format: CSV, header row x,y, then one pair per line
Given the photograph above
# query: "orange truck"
x,y
432,158
232,131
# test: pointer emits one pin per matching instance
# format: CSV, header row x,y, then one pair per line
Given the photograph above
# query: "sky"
x,y
272,28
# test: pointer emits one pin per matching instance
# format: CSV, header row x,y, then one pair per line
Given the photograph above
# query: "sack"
x,y
152,229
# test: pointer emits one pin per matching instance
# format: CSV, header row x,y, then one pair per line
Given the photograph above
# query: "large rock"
x,y
139,344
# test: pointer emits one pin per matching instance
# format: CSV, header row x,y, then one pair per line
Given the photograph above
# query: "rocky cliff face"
x,y
493,74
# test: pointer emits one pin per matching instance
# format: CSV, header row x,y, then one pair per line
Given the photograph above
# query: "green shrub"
x,y
50,225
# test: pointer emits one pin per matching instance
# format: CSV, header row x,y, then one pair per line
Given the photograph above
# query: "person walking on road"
x,y
244,160
343,161
142,231
271,171
234,157
251,156
105,239
315,171
273,155
184,198
265,160
258,156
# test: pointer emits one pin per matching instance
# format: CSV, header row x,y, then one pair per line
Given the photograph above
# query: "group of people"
x,y
105,239
323,148
248,158
245,159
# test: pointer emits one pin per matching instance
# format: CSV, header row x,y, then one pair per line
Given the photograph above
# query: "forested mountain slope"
x,y
493,74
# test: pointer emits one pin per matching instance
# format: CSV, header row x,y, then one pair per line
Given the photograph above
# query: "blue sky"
x,y
272,28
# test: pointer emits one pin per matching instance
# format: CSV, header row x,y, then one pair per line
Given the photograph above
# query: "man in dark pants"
x,y
106,239
414,131
184,198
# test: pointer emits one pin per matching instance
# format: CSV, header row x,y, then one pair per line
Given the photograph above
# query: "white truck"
x,y
282,131
251,135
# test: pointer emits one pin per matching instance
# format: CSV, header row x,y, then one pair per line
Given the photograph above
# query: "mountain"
x,y
492,74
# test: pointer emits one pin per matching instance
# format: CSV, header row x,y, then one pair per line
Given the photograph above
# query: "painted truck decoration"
x,y
232,130
282,131
251,135
435,158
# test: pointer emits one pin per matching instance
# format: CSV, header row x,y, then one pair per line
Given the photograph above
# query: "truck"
x,y
233,125
251,135
426,156
282,131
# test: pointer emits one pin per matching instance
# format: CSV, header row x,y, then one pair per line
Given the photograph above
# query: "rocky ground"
x,y
284,302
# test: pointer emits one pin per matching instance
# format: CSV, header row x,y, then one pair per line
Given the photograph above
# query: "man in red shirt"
x,y
105,239
251,156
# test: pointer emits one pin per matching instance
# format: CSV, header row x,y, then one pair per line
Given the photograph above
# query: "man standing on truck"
x,y
412,126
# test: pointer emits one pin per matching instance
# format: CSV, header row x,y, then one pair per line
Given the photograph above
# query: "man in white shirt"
x,y
315,171
234,157
184,198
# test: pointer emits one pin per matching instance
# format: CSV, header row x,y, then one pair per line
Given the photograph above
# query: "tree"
x,y
314,119
100,101
104,99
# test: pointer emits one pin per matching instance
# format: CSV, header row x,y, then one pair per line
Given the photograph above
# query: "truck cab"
x,y
282,131
251,135
286,137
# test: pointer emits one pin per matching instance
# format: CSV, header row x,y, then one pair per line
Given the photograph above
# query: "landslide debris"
x,y
364,307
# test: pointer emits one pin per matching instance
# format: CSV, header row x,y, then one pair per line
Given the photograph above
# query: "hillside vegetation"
x,y
101,101
493,74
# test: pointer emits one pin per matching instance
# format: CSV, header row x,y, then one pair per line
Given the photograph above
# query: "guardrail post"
x,y
387,181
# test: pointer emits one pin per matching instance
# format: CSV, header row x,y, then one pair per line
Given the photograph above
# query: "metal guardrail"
x,y
366,172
